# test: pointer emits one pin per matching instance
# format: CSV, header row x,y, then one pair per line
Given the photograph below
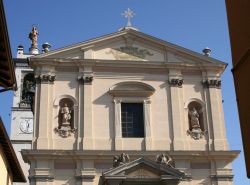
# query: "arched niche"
x,y
194,100
57,100
196,118
195,114
66,114
131,89
28,91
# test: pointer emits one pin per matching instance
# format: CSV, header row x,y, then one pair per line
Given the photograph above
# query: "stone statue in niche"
x,y
66,116
195,130
164,159
194,118
120,160
65,121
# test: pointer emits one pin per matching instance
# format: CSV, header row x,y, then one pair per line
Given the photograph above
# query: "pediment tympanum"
x,y
129,45
143,171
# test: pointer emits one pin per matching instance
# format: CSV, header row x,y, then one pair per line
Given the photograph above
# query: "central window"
x,y
132,120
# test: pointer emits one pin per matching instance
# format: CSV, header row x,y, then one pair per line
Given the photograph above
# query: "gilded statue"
x,y
33,37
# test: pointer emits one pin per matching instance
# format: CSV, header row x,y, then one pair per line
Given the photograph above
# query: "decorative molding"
x,y
147,101
32,154
196,133
44,174
42,177
88,177
45,78
88,174
65,132
222,177
216,83
131,89
85,79
135,51
117,101
57,99
187,178
176,82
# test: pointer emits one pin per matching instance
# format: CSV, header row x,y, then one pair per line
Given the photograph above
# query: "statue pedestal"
x,y
34,51
196,133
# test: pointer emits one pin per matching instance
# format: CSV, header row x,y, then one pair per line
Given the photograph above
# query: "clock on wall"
x,y
26,125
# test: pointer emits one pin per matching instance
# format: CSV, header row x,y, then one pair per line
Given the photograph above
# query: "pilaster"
x,y
85,173
177,104
44,119
213,84
86,80
118,129
147,123
80,124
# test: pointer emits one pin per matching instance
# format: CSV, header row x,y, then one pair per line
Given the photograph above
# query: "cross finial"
x,y
128,14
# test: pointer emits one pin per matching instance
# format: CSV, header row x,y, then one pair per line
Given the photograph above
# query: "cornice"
x,y
107,155
55,62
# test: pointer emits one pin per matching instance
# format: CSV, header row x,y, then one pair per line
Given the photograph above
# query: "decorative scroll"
x,y
212,83
45,78
176,82
85,79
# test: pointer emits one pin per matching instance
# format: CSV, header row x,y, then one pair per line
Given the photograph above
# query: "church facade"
x,y
128,108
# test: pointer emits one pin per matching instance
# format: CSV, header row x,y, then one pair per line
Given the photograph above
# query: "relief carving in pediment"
x,y
142,173
129,53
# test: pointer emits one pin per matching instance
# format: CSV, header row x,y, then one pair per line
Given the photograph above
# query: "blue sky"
x,y
191,24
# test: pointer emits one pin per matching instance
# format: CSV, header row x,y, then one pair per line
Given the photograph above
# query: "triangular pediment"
x,y
144,170
127,45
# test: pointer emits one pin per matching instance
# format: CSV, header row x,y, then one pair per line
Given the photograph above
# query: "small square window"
x,y
132,120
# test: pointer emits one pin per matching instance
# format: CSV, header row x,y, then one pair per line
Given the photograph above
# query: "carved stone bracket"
x,y
176,82
117,101
65,132
147,101
45,78
212,83
85,79
196,133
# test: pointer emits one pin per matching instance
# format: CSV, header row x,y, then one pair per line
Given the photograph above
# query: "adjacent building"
x,y
10,168
239,29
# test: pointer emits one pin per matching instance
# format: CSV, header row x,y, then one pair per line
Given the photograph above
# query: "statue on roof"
x,y
33,37
120,160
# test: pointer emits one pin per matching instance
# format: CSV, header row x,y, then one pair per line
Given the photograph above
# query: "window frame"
x,y
146,114
135,127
